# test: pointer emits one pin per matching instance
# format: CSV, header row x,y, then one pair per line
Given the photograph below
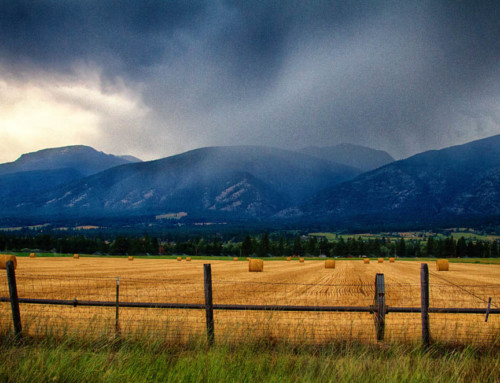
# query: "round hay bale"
x,y
330,264
366,261
256,265
235,258
288,258
76,256
179,258
381,260
130,258
248,258
188,259
391,260
4,258
32,255
301,260
442,265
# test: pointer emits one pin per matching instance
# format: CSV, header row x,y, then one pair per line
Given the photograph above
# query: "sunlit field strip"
x,y
351,283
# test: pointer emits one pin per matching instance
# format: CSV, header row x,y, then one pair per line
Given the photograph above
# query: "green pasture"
x,y
243,259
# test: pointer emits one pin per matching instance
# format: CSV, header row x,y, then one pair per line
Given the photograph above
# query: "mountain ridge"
x,y
251,181
264,184
358,156
83,159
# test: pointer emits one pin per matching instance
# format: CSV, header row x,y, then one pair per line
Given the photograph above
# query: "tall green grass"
x,y
132,360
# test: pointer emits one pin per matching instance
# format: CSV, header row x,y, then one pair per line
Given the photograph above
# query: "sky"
x,y
156,78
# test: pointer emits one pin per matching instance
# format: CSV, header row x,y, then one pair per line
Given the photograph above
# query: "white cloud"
x,y
51,111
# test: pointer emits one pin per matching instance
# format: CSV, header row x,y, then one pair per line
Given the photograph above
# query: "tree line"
x,y
258,245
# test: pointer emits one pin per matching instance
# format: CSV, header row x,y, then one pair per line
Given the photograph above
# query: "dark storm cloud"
x,y
136,34
120,35
401,76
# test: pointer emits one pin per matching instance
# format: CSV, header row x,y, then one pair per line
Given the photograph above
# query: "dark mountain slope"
x,y
459,181
19,188
245,180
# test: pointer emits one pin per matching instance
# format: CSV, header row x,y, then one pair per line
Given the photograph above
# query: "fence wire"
x,y
309,326
242,325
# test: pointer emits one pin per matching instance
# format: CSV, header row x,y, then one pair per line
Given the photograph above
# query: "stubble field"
x,y
351,283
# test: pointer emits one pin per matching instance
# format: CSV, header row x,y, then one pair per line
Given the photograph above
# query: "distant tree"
x,y
341,248
44,241
418,249
228,248
323,246
429,249
264,245
351,245
143,245
461,248
153,246
361,248
102,246
201,248
376,248
486,249
215,248
471,251
494,249
438,248
288,248
136,246
121,245
311,246
255,245
389,249
449,247
401,248
297,246
281,247
246,247
412,247
479,250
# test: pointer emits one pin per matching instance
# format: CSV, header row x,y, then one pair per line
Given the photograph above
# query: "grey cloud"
x,y
400,76
119,35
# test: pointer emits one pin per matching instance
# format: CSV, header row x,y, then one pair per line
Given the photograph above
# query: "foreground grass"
x,y
139,361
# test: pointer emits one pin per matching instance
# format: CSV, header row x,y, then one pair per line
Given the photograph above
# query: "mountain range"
x,y
339,185
237,182
454,184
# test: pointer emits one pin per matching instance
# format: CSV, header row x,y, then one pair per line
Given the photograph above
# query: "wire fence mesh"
x,y
313,326
465,328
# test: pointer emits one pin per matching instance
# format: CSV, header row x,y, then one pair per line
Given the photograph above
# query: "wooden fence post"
x,y
209,307
424,295
488,310
14,298
117,315
380,306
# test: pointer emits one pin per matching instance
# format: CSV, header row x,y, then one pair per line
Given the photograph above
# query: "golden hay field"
x,y
351,283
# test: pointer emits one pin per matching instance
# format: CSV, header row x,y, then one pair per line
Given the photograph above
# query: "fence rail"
x,y
379,309
199,306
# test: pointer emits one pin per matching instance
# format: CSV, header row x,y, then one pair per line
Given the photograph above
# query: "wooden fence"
x,y
379,309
